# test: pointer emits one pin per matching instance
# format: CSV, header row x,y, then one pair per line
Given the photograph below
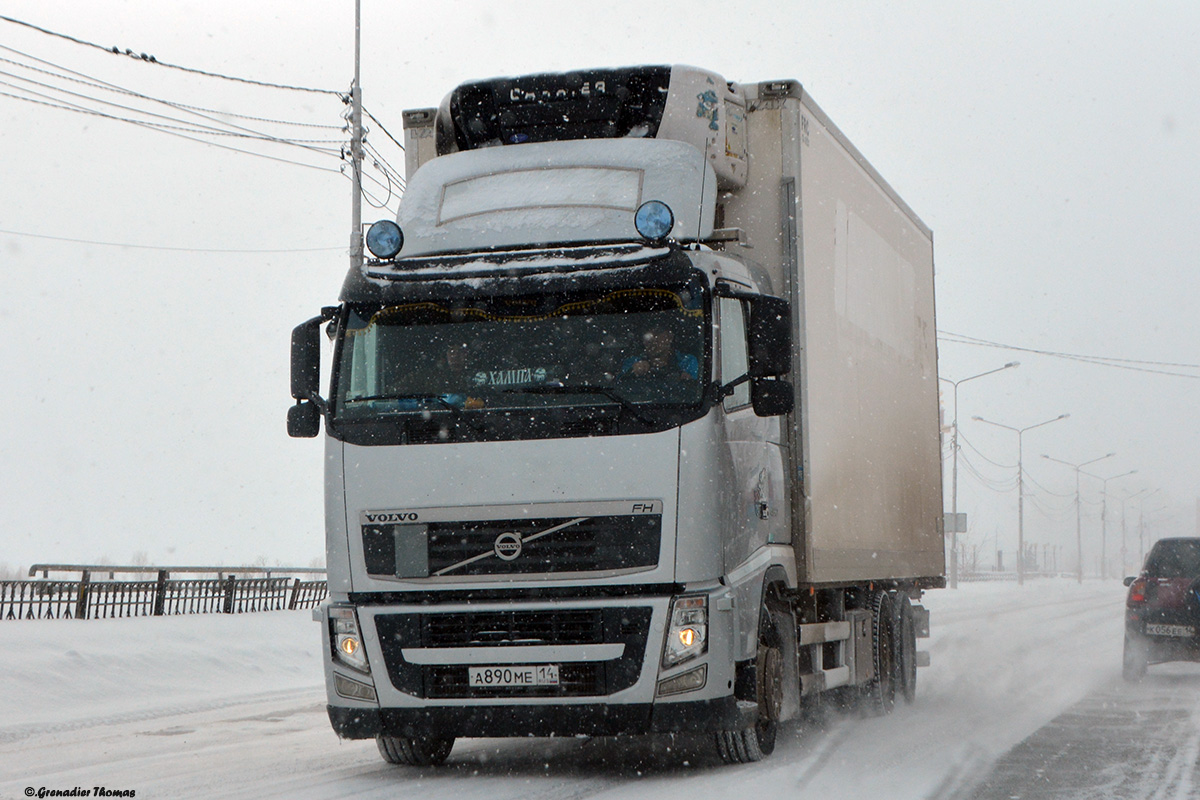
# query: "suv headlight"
x,y
345,638
687,633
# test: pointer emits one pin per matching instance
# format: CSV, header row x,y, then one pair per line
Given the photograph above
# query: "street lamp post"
x,y
1142,527
1020,487
1124,559
954,469
1078,518
1104,519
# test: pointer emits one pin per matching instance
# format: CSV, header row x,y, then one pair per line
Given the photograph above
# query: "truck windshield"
x,y
636,351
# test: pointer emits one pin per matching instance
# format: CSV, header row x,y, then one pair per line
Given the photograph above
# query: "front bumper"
x,y
595,719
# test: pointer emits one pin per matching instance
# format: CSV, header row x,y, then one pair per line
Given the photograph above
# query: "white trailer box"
x,y
857,265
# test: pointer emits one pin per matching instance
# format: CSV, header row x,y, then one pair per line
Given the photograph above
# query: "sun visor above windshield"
x,y
554,193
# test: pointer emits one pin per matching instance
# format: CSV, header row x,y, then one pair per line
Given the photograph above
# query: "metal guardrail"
x,y
113,569
86,598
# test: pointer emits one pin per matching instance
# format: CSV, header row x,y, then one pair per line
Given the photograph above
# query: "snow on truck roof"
x,y
578,191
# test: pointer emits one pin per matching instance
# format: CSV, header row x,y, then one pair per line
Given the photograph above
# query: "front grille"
x,y
513,627
467,548
629,626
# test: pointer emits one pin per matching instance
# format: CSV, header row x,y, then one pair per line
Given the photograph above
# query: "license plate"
x,y
1170,630
535,675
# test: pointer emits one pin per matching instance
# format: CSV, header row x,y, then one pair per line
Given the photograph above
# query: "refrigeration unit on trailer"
x,y
632,423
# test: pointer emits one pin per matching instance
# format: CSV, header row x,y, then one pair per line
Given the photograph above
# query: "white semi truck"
x,y
633,421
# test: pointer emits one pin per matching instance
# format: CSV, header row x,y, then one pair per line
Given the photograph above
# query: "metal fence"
x,y
88,598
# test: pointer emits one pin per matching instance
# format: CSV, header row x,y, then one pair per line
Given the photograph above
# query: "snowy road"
x,y
232,707
1122,741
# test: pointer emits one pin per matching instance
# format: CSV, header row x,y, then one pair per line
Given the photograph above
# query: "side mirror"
x,y
770,336
304,420
772,398
1129,580
306,359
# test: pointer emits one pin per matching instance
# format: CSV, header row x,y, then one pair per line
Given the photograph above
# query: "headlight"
x,y
346,639
687,633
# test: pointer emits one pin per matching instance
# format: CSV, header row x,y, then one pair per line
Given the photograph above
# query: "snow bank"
x,y
71,670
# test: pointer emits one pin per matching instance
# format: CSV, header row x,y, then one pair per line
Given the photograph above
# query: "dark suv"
x,y
1162,612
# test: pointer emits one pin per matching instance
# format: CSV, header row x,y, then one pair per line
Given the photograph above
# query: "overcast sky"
x,y
1053,148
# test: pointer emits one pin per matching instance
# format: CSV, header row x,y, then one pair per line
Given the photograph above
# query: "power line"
x,y
385,130
149,59
1006,485
204,130
96,83
380,163
176,249
1030,478
1135,365
163,129
984,457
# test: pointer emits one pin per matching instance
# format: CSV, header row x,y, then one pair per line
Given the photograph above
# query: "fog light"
x,y
689,681
353,690
654,220
384,239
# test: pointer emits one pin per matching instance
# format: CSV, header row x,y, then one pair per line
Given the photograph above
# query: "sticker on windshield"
x,y
510,377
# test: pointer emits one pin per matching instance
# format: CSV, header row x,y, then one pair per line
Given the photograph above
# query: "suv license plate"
x,y
536,675
1170,630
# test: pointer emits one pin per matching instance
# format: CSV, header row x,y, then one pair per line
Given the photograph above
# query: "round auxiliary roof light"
x,y
384,239
654,220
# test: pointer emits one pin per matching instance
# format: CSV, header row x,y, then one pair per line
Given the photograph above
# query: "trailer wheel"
x,y
904,628
880,691
424,752
756,742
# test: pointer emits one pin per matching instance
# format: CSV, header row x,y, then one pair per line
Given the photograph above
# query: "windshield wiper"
x,y
583,388
436,398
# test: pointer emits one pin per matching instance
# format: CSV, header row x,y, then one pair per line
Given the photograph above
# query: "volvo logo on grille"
x,y
507,546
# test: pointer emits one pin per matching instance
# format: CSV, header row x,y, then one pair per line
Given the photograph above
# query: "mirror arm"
x,y
729,388
320,402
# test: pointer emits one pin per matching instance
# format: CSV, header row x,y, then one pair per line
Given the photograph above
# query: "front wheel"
x,y
1135,660
428,751
756,742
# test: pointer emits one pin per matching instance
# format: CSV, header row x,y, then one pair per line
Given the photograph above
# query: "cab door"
x,y
758,493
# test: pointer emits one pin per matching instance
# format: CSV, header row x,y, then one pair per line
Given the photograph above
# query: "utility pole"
x,y
1104,519
954,469
1078,517
356,146
1020,488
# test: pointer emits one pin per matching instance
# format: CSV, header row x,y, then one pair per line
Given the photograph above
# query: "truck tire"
x,y
1134,660
756,742
904,628
423,752
880,691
